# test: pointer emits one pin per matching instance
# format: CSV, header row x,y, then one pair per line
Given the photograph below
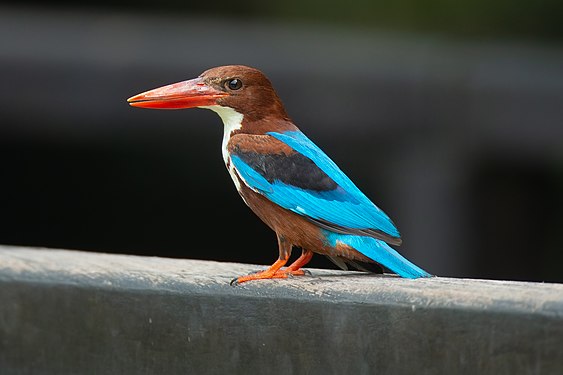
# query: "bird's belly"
x,y
295,228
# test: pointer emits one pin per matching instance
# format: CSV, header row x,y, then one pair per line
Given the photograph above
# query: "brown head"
x,y
244,89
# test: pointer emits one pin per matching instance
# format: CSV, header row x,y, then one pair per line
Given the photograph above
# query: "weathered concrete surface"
x,y
69,312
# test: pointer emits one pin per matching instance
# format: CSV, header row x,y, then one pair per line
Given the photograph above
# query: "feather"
x,y
330,200
378,251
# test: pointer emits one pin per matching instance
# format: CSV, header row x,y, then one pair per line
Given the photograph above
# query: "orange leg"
x,y
285,253
266,274
295,268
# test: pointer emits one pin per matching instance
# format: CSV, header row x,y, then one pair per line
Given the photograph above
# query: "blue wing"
x,y
310,184
380,252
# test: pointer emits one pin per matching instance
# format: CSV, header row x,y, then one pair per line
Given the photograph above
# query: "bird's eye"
x,y
233,84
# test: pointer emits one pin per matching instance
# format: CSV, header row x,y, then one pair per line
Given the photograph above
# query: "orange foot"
x,y
267,274
275,271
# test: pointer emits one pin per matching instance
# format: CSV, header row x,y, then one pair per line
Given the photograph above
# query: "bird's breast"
x,y
233,172
232,121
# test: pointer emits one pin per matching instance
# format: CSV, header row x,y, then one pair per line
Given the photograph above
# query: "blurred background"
x,y
448,115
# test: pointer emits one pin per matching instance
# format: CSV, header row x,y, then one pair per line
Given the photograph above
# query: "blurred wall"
x,y
459,138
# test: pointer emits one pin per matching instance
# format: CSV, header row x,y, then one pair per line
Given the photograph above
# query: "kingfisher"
x,y
285,178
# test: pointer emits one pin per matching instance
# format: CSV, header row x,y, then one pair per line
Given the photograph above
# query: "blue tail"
x,y
380,252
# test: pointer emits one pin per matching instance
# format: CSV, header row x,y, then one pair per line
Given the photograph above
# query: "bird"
x,y
293,186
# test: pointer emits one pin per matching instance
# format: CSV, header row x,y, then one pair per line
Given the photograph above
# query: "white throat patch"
x,y
232,120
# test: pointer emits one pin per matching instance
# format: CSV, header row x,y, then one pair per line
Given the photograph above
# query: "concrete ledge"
x,y
68,312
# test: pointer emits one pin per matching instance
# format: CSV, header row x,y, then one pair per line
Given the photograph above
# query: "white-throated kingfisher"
x,y
289,182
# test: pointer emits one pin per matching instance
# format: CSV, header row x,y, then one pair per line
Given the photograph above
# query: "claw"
x,y
275,270
292,274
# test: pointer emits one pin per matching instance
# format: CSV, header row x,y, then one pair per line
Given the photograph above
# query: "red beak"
x,y
186,94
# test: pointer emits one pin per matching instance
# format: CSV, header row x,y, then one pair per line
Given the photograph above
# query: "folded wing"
x,y
291,171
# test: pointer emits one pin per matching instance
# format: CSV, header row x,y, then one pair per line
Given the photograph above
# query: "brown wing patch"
x,y
261,144
276,161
